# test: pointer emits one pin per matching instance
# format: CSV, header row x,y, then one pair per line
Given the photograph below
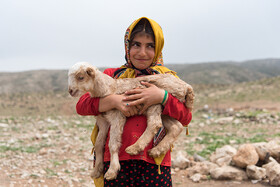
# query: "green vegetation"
x,y
212,141
50,172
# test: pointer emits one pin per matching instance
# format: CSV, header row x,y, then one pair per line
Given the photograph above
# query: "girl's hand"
x,y
124,107
146,96
117,102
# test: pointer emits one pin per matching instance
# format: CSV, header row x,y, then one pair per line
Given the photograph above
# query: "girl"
x,y
143,46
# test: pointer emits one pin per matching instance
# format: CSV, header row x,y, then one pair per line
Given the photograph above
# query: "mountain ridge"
x,y
221,73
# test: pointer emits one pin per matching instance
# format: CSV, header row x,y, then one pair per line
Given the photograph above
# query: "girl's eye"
x,y
136,44
151,46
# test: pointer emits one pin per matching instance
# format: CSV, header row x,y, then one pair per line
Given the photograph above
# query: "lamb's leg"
x,y
154,123
117,121
174,128
103,127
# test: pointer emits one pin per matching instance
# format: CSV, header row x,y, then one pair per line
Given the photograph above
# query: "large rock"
x,y
202,168
274,149
265,150
223,156
273,172
180,161
255,172
228,173
246,155
262,150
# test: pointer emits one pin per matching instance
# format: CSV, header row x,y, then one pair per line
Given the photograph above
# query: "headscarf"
x,y
128,70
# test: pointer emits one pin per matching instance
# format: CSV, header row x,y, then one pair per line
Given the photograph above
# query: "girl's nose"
x,y
142,51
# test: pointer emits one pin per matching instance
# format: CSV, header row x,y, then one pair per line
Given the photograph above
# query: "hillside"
x,y
33,81
260,94
203,73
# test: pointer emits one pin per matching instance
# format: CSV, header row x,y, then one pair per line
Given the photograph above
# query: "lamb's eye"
x,y
81,78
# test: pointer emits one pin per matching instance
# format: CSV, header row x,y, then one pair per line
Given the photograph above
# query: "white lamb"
x,y
83,77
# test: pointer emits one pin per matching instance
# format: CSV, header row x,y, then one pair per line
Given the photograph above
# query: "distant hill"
x,y
203,73
33,81
227,72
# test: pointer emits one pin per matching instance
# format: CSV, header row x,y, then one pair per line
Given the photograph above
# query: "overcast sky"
x,y
55,34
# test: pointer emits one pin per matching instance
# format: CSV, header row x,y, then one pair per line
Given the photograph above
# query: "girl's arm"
x,y
174,108
154,95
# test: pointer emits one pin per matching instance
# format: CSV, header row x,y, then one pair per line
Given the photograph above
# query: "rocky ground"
x,y
55,150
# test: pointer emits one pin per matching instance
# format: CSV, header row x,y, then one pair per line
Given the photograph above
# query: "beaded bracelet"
x,y
165,96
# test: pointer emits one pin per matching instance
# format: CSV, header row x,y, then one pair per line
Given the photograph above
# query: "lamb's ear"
x,y
90,72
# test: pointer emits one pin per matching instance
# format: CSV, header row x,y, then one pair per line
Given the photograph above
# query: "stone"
x,y
273,172
228,173
196,177
201,167
224,120
255,172
261,149
246,155
265,150
198,158
223,156
274,149
180,161
43,151
4,125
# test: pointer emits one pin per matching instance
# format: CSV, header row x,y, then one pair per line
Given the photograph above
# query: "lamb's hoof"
x,y
95,174
154,153
97,171
132,150
110,175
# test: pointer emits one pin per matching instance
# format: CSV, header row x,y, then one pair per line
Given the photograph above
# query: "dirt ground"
x,y
55,150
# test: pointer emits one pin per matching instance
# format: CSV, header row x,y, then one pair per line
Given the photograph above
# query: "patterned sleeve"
x,y
174,108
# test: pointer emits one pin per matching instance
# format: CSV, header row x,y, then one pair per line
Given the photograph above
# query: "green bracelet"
x,y
165,96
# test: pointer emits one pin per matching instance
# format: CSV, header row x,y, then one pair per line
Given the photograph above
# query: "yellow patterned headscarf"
x,y
127,70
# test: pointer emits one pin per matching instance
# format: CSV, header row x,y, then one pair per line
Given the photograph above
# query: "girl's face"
x,y
142,51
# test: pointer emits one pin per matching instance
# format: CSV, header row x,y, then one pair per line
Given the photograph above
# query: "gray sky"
x,y
55,34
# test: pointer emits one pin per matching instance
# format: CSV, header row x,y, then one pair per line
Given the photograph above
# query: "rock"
x,y
196,177
201,124
224,120
255,181
45,135
43,151
201,167
265,150
198,158
4,125
261,149
274,149
273,172
233,142
180,161
255,172
228,172
237,121
223,156
246,155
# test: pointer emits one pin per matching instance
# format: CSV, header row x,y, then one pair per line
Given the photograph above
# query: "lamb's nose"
x,y
70,91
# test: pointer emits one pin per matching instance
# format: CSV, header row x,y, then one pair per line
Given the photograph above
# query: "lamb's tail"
x,y
189,98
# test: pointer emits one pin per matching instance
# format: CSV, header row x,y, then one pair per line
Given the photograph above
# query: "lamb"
x,y
83,77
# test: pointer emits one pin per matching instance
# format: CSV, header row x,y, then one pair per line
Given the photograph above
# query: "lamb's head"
x,y
80,78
